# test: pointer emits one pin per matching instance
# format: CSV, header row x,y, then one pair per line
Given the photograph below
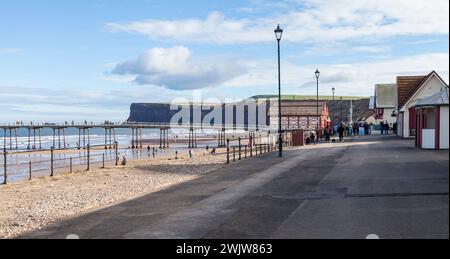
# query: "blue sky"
x,y
90,59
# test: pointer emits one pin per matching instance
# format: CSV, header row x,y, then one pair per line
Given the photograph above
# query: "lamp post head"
x,y
317,73
278,33
333,89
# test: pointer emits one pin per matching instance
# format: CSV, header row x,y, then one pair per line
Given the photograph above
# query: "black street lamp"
x,y
279,34
317,100
342,119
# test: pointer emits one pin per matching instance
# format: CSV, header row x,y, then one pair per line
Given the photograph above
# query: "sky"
x,y
90,59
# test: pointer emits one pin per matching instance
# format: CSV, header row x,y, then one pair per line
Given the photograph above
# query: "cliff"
x,y
161,113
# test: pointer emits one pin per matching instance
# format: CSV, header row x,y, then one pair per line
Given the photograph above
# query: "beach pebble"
x,y
29,206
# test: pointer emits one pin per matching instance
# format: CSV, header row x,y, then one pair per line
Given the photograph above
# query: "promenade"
x,y
369,185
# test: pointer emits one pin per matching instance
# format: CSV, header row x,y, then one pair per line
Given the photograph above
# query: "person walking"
x,y
341,131
327,134
312,137
382,127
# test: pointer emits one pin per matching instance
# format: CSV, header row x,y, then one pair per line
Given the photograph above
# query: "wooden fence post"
x,y
51,161
5,166
29,170
88,157
240,148
228,151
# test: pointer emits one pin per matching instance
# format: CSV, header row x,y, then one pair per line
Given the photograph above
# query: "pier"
x,y
34,141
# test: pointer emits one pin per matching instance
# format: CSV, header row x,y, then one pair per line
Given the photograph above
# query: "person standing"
x,y
386,130
382,127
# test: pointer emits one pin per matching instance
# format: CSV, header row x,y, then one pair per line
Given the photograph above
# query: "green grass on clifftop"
x,y
309,97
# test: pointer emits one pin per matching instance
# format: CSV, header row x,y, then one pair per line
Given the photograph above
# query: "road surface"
x,y
369,185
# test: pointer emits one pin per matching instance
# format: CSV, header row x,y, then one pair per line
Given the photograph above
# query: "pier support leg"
x,y
53,146
4,139
79,139
10,139
15,137
59,138
40,142
110,138
84,138
140,137
34,139
29,139
114,136
168,140
132,138
64,138
160,138
89,137
106,136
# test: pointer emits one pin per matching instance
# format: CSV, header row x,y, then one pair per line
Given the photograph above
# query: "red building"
x,y
432,121
297,114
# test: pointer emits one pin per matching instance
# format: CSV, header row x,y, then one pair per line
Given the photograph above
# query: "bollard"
x,y
103,160
52,150
234,154
71,168
240,148
245,152
228,152
29,170
88,157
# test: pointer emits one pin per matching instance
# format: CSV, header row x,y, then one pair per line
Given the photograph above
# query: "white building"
x,y
411,89
386,103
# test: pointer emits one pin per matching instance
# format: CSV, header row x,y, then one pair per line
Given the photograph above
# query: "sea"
x,y
20,160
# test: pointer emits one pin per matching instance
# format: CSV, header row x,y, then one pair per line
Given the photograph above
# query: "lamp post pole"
x,y
333,118
317,104
279,34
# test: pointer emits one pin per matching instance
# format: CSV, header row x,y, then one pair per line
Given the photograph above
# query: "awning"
x,y
438,99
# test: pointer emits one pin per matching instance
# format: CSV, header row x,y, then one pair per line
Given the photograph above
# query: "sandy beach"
x,y
30,205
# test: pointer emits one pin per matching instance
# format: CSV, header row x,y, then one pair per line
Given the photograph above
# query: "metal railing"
x,y
243,148
67,161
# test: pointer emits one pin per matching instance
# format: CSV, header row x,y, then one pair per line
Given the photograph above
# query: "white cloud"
x,y
306,21
351,79
10,50
372,49
174,68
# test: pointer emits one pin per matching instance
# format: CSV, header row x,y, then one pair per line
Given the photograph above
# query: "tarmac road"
x,y
369,185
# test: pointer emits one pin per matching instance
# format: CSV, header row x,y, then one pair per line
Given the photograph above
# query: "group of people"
x,y
350,129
